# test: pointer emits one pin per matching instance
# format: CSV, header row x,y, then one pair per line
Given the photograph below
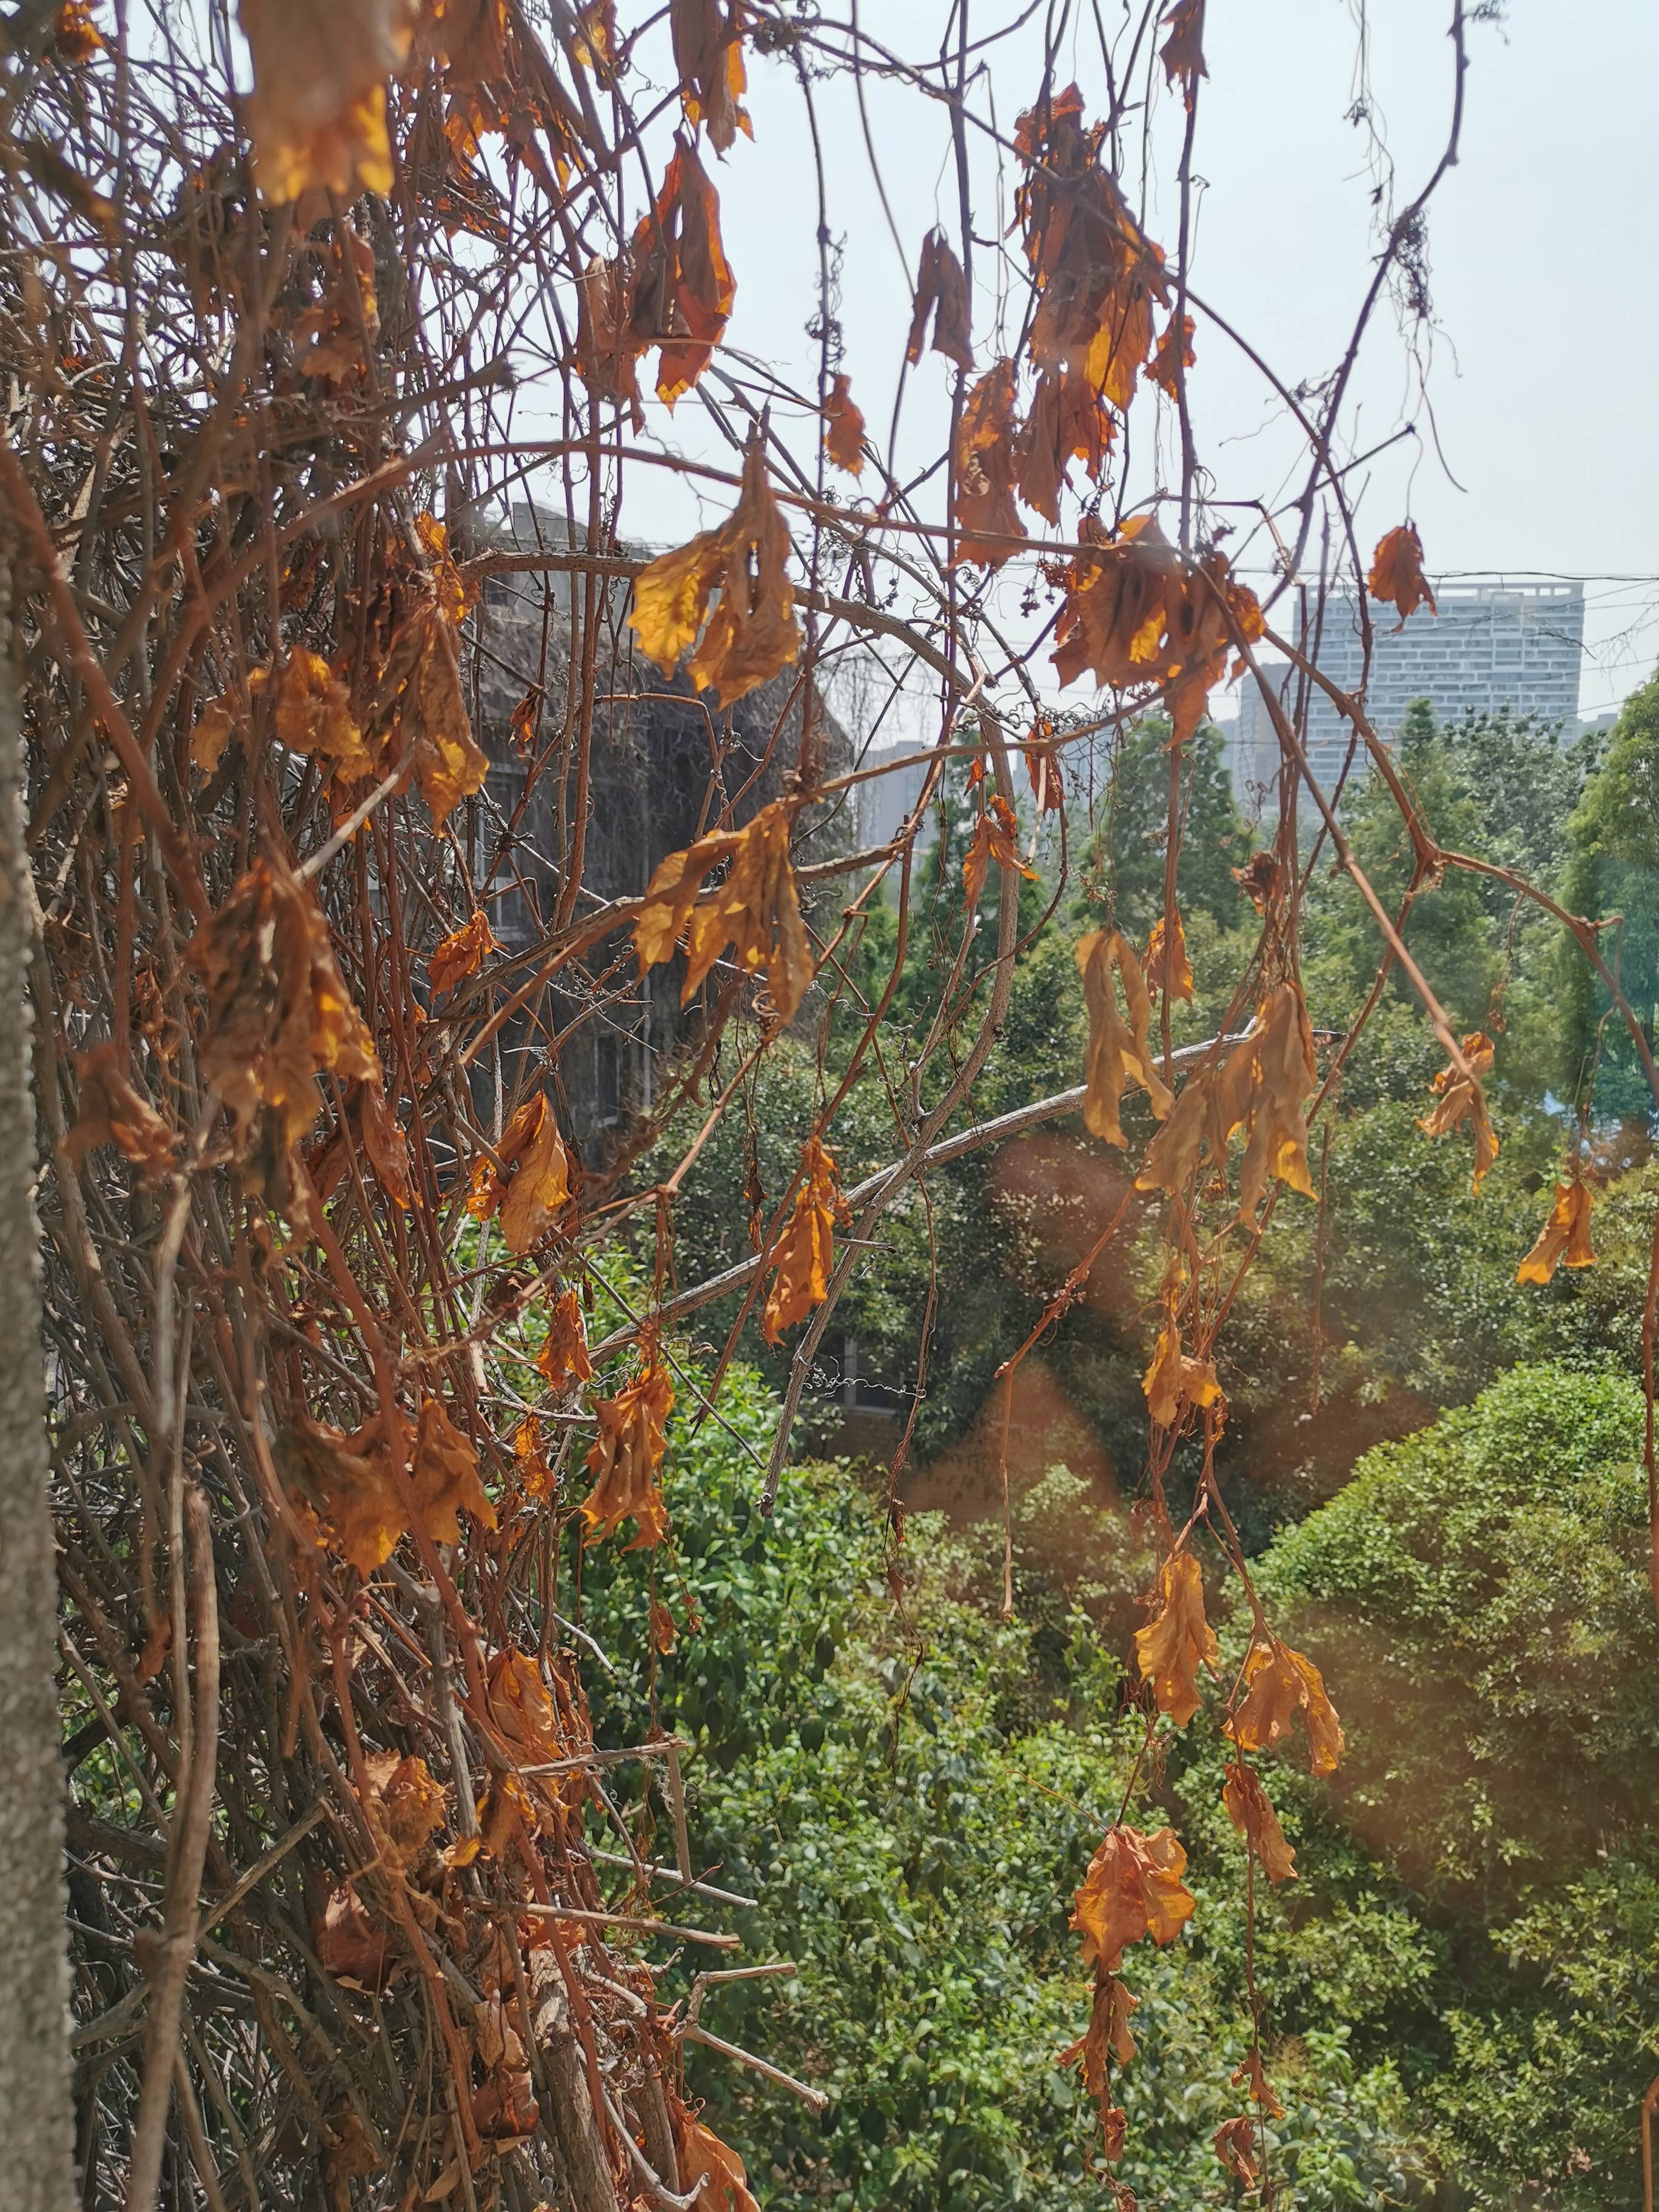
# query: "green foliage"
x,y
1124,868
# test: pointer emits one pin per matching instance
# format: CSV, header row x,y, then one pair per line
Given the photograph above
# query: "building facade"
x,y
1494,644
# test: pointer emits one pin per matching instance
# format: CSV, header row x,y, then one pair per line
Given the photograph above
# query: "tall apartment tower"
x,y
1493,644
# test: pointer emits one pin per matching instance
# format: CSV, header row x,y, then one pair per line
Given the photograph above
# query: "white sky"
x,y
1540,246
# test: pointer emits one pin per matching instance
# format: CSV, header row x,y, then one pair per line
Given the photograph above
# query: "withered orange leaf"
x,y
405,1806
681,288
712,2168
1133,1889
1262,1084
1279,1685
994,838
444,1473
1182,52
461,954
753,633
1252,2075
941,294
278,1008
708,55
1168,968
1460,1098
114,1111
564,1357
537,1187
529,1467
755,910
1108,2037
523,1710
1174,352
626,1459
804,1257
1176,1379
1069,421
317,112
1236,2147
521,724
1260,879
843,429
1120,1051
1565,1235
1098,275
74,37
1397,576
608,349
982,509
387,1145
351,1945
214,727
424,688
1116,606
345,1488
1250,1810
1178,1640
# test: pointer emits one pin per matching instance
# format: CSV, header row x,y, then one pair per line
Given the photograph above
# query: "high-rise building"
x,y
1493,644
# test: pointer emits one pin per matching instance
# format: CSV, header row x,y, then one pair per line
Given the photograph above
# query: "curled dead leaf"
x,y
626,1459
756,911
1462,1098
804,1257
1068,421
1168,968
708,55
317,112
1280,1685
1107,2035
405,1806
1120,1049
941,295
680,285
1396,574
1236,2147
1178,1640
752,634
710,2168
843,429
345,1489
461,954
114,1111
995,837
563,1358
1565,1236
1250,1810
985,448
1182,52
1133,1889
444,1475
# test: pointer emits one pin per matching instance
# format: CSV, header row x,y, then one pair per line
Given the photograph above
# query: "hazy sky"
x,y
1541,247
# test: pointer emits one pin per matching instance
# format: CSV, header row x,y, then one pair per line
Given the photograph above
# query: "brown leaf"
x,y
564,1357
1108,2034
1042,766
1174,1379
1167,965
1182,52
1396,575
1098,275
1279,1685
712,2168
626,1459
1463,1098
1565,1235
350,1944
843,429
75,38
1133,1889
1173,353
1116,606
521,724
941,294
1120,1051
1236,2147
1259,880
278,1008
317,112
434,729
755,911
608,349
752,634
1069,421
804,1257
1252,2075
387,1145
523,1710
1262,1085
1251,1813
708,55
444,1474
995,838
405,1806
346,1488
114,1111
461,954
214,727
986,443
538,1188
1178,1640
681,288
